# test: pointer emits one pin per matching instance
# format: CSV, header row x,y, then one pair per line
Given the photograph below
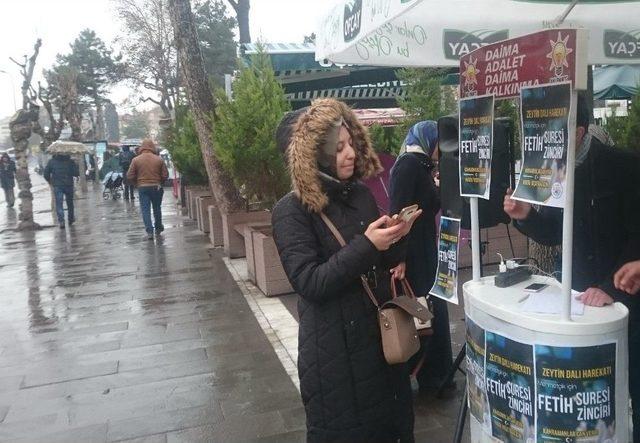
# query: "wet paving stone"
x,y
105,336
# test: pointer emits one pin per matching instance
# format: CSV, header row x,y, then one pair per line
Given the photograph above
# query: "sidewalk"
x,y
111,337
106,336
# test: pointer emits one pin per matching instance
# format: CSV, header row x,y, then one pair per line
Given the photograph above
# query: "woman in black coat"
x,y
349,392
7,178
412,182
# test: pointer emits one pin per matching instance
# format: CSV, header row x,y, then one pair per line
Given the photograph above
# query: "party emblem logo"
x,y
470,75
558,55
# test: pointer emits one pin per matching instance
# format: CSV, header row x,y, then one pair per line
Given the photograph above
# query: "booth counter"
x,y
533,377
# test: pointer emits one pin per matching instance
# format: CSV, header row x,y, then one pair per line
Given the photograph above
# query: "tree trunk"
x,y
99,133
242,15
201,103
20,127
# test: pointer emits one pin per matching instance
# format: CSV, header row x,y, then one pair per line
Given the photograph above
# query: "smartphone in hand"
x,y
405,215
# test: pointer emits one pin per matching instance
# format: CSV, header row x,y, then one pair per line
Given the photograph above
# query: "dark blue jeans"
x,y
64,193
151,196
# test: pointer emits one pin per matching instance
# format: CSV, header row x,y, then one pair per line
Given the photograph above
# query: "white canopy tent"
x,y
437,32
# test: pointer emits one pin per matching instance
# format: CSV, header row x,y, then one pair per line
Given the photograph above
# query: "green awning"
x,y
616,82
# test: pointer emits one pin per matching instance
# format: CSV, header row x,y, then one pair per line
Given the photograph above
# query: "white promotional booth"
x,y
540,366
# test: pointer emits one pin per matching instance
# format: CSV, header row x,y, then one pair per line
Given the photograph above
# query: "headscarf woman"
x,y
412,182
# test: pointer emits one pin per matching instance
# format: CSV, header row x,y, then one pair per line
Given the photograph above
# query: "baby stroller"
x,y
112,185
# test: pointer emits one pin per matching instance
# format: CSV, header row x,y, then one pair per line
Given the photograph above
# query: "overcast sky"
x,y
58,22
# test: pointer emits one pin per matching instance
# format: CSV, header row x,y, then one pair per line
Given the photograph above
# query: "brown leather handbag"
x,y
395,317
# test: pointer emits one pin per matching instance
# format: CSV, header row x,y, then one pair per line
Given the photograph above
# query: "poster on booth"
x,y
476,145
545,141
476,387
576,393
445,285
510,384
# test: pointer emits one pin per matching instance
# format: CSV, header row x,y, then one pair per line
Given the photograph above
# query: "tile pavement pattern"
x,y
106,336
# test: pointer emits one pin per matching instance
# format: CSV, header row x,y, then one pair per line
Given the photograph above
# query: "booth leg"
x,y
462,416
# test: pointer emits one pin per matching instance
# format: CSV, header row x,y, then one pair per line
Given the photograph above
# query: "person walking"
x,y
8,178
147,172
412,182
124,159
59,173
350,393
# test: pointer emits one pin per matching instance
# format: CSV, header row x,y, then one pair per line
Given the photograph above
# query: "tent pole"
x,y
564,15
567,217
475,238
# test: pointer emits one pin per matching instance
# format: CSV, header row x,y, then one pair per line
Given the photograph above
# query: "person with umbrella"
x,y
59,173
7,178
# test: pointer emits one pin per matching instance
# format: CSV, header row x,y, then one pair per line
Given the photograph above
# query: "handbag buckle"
x,y
372,278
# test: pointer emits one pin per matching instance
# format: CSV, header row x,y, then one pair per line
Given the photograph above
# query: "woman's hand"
x,y
399,271
382,237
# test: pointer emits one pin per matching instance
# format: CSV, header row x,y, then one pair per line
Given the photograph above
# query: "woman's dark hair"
x,y
285,129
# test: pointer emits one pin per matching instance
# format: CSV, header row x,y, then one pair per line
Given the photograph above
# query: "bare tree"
x,y
242,14
50,98
21,126
202,104
151,57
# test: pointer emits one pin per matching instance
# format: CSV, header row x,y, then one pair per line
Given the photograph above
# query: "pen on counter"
x,y
524,298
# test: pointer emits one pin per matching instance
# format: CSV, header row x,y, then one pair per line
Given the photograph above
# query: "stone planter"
x,y
193,202
270,276
188,190
233,232
202,204
249,231
215,226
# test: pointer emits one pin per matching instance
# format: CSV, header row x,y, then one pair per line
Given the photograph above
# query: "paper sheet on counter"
x,y
549,301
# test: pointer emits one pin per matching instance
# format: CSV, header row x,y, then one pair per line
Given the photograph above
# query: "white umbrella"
x,y
67,147
438,32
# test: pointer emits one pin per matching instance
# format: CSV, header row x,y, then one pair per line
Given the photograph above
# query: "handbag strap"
x,y
406,288
343,243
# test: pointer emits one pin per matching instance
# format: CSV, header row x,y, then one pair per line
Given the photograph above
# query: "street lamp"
x,y
13,88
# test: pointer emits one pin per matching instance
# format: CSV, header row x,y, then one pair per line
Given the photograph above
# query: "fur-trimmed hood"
x,y
309,133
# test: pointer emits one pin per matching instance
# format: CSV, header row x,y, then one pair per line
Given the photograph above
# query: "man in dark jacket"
x,y
59,173
606,232
7,178
124,159
148,171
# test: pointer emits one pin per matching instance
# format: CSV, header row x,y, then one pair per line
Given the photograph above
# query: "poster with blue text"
x,y
510,382
445,285
576,393
476,145
476,386
545,142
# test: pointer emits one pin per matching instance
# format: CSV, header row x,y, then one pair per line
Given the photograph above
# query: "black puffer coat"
x,y
60,170
7,174
349,391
